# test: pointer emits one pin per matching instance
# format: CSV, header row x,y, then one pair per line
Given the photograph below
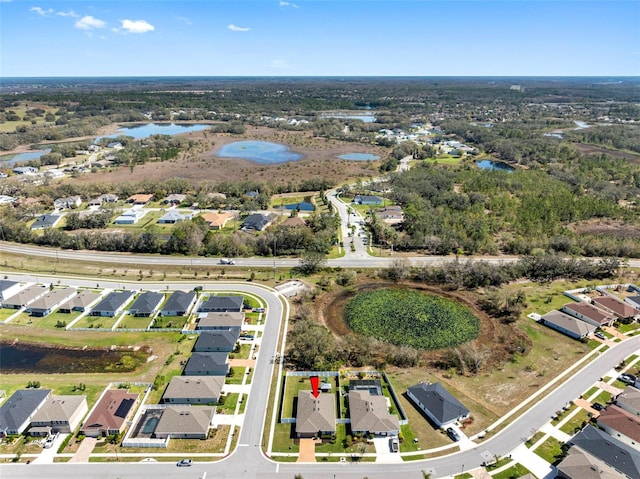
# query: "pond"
x,y
146,130
31,358
365,117
263,152
359,157
12,160
302,206
494,166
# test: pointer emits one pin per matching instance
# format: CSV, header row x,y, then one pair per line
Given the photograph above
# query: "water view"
x,y
359,157
494,166
263,152
146,130
365,117
12,160
302,206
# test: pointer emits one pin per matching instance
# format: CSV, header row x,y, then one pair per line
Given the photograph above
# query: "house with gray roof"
x,y
17,411
46,221
8,289
174,199
179,303
367,200
579,464
113,304
79,302
620,424
173,216
569,325
216,341
315,416
106,198
621,457
220,321
370,415
146,304
193,390
440,406
589,313
207,364
25,297
256,222
50,301
222,304
68,202
59,414
184,422
629,400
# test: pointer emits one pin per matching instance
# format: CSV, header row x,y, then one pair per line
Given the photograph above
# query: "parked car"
x,y
598,334
597,406
453,434
394,444
627,378
258,310
50,440
183,462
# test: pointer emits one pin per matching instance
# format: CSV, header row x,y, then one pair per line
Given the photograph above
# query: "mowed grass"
x,y
131,322
549,450
98,322
48,321
6,313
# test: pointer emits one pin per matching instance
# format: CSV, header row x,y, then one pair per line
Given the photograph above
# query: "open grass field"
x,y
97,322
129,321
48,322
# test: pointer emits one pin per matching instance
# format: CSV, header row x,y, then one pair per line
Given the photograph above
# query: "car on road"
x,y
597,406
183,463
598,334
227,261
453,434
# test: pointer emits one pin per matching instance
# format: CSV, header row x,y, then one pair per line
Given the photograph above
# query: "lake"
x,y
365,117
302,206
263,152
13,160
494,166
146,130
359,157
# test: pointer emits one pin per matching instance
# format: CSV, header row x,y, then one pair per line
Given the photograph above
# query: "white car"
x,y
227,261
183,462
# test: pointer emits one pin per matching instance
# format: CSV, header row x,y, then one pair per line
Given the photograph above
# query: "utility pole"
x,y
274,259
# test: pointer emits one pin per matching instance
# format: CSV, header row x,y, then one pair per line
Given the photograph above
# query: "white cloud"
x,y
185,20
235,28
136,26
88,22
41,11
287,4
70,13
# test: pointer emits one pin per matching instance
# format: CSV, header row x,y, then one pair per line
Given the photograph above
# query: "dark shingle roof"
x,y
179,301
223,303
256,222
207,362
146,302
438,401
20,406
113,301
221,340
315,414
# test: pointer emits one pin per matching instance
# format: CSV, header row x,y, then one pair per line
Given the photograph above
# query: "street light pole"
x,y
274,259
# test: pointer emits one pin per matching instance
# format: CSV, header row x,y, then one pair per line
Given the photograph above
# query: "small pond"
x,y
263,152
302,206
146,130
13,160
359,157
365,117
494,166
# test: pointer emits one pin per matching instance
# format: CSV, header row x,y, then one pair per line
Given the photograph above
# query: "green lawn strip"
x,y
283,440
407,443
129,321
499,463
160,322
6,312
533,439
92,391
603,398
625,328
590,392
230,402
561,414
53,319
97,322
466,475
576,422
517,470
245,350
236,377
444,160
549,450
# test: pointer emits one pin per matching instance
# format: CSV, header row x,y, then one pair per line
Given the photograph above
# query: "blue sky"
x,y
319,38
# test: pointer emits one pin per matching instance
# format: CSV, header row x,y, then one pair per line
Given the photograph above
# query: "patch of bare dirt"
x,y
612,228
598,150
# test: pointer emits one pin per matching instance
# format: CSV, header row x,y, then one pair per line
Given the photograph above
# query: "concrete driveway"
x,y
383,451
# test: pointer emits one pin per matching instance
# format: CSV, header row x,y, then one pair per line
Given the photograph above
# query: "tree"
x,y
311,262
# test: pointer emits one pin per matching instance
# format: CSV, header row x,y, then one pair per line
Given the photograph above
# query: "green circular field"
x,y
408,317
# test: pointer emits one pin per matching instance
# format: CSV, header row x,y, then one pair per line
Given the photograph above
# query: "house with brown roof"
x,y
613,305
589,313
46,304
217,221
80,302
25,297
110,414
59,414
621,424
293,221
139,199
370,415
316,416
220,321
184,422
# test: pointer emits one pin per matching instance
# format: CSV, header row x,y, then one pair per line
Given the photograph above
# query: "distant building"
x,y
367,200
139,199
222,304
217,221
193,390
256,222
46,221
173,216
68,202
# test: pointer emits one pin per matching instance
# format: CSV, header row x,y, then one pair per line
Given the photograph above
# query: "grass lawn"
x,y
517,470
283,438
238,374
229,406
23,319
131,322
20,445
6,312
51,320
625,328
562,413
549,450
96,322
590,392
444,160
170,321
533,439
603,398
575,423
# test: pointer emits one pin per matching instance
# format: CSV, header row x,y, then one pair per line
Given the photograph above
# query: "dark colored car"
x,y
453,434
597,406
598,334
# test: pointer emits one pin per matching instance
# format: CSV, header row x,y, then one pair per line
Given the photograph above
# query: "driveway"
x,y
85,450
46,455
307,450
383,450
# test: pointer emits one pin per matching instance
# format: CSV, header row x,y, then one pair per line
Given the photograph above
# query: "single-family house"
x,y
579,464
439,405
139,199
218,321
116,145
174,199
50,301
179,303
589,313
390,214
110,414
17,411
172,217
146,304
184,422
315,415
222,304
620,424
6,199
613,305
25,170
217,221
633,301
130,217
59,414
112,304
293,222
367,200
25,297
216,341
629,400
370,415
207,364
80,302
572,327
193,390
106,198
374,386
256,222
8,289
68,202
620,456
46,221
